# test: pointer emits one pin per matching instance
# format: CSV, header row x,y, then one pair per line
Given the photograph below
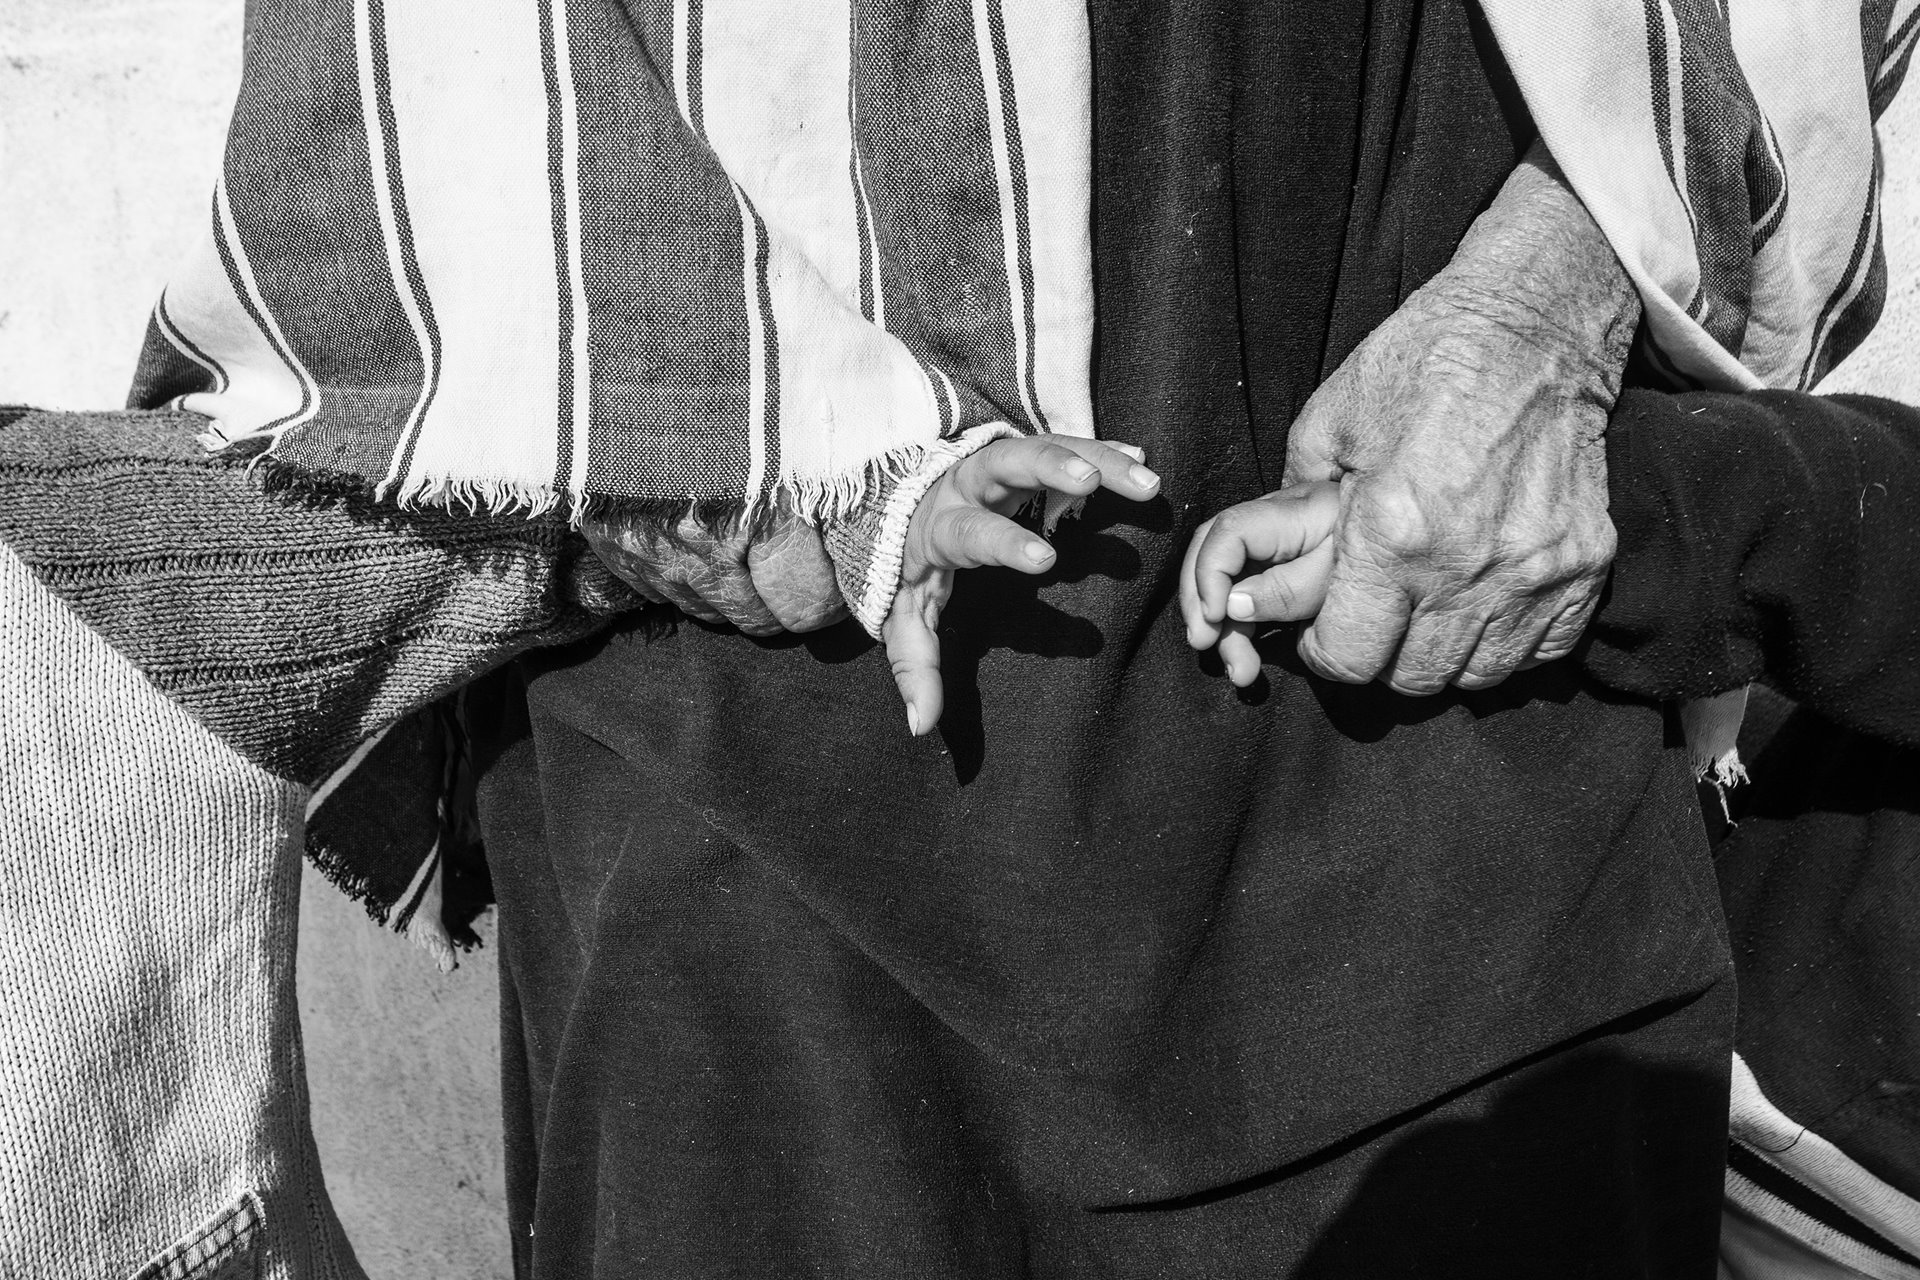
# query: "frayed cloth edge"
x,y
814,499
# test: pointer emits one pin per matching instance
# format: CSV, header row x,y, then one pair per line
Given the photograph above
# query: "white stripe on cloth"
x,y
179,343
682,84
385,180
1052,75
322,793
308,402
478,195
260,388
1587,78
579,357
751,239
1823,1168
782,132
1674,95
1805,66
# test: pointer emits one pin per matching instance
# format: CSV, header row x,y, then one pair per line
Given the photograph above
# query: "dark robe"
x,y
1123,973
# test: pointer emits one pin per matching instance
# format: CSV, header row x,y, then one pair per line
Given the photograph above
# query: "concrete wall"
x,y
111,115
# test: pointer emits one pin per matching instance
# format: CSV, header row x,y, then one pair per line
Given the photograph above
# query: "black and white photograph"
x,y
959,640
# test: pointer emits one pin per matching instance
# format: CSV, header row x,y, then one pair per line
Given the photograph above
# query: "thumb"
x,y
1292,591
913,650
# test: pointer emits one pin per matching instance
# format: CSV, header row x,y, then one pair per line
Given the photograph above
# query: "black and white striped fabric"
x,y
1798,1207
526,254
1729,153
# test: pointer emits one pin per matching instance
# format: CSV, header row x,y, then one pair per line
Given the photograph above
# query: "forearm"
x,y
1774,535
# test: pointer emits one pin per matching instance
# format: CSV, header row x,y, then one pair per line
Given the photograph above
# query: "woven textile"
x,y
1799,1207
1728,152
301,630
525,255
150,1065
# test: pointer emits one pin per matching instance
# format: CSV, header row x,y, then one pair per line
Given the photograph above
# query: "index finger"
x,y
1013,468
1202,633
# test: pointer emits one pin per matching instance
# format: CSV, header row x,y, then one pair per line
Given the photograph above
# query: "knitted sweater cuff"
x,y
868,546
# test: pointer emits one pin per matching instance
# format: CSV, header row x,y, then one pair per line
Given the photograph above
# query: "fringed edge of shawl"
x,y
818,500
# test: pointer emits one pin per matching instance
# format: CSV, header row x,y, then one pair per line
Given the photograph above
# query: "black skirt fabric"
x,y
1123,972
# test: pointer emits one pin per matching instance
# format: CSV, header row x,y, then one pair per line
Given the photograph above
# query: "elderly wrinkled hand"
x,y
1473,537
764,577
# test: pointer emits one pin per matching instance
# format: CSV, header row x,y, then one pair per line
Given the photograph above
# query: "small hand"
x,y
1268,560
1473,535
775,577
962,523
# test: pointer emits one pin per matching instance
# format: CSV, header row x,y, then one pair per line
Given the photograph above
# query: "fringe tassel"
x,y
814,499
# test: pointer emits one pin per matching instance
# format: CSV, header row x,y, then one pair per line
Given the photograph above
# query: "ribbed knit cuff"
x,y
867,547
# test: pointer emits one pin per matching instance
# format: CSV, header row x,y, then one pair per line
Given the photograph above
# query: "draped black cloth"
x,y
1318,979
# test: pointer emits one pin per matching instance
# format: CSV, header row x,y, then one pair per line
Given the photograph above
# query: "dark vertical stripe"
x,y
1896,58
926,148
403,225
763,299
239,285
1866,251
1017,166
1661,87
661,247
1729,169
562,245
1770,188
301,183
176,334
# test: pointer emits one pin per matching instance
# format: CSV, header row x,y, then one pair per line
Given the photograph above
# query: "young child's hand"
x,y
1267,560
962,523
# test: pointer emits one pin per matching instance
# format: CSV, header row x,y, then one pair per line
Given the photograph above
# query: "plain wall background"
x,y
111,121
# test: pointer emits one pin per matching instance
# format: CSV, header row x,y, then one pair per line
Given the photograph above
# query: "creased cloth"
x,y
153,1097
312,634
1728,152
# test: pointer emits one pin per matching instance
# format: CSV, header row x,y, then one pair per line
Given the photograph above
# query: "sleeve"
x,y
1769,535
295,626
867,546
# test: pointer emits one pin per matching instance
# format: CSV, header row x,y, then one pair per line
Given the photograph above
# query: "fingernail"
x,y
913,720
1142,477
1240,606
1080,471
1039,552
1133,451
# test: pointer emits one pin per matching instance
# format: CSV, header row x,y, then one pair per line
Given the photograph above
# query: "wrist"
x,y
1538,268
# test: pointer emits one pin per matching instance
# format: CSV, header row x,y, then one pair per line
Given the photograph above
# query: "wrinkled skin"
x,y
1468,429
782,581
